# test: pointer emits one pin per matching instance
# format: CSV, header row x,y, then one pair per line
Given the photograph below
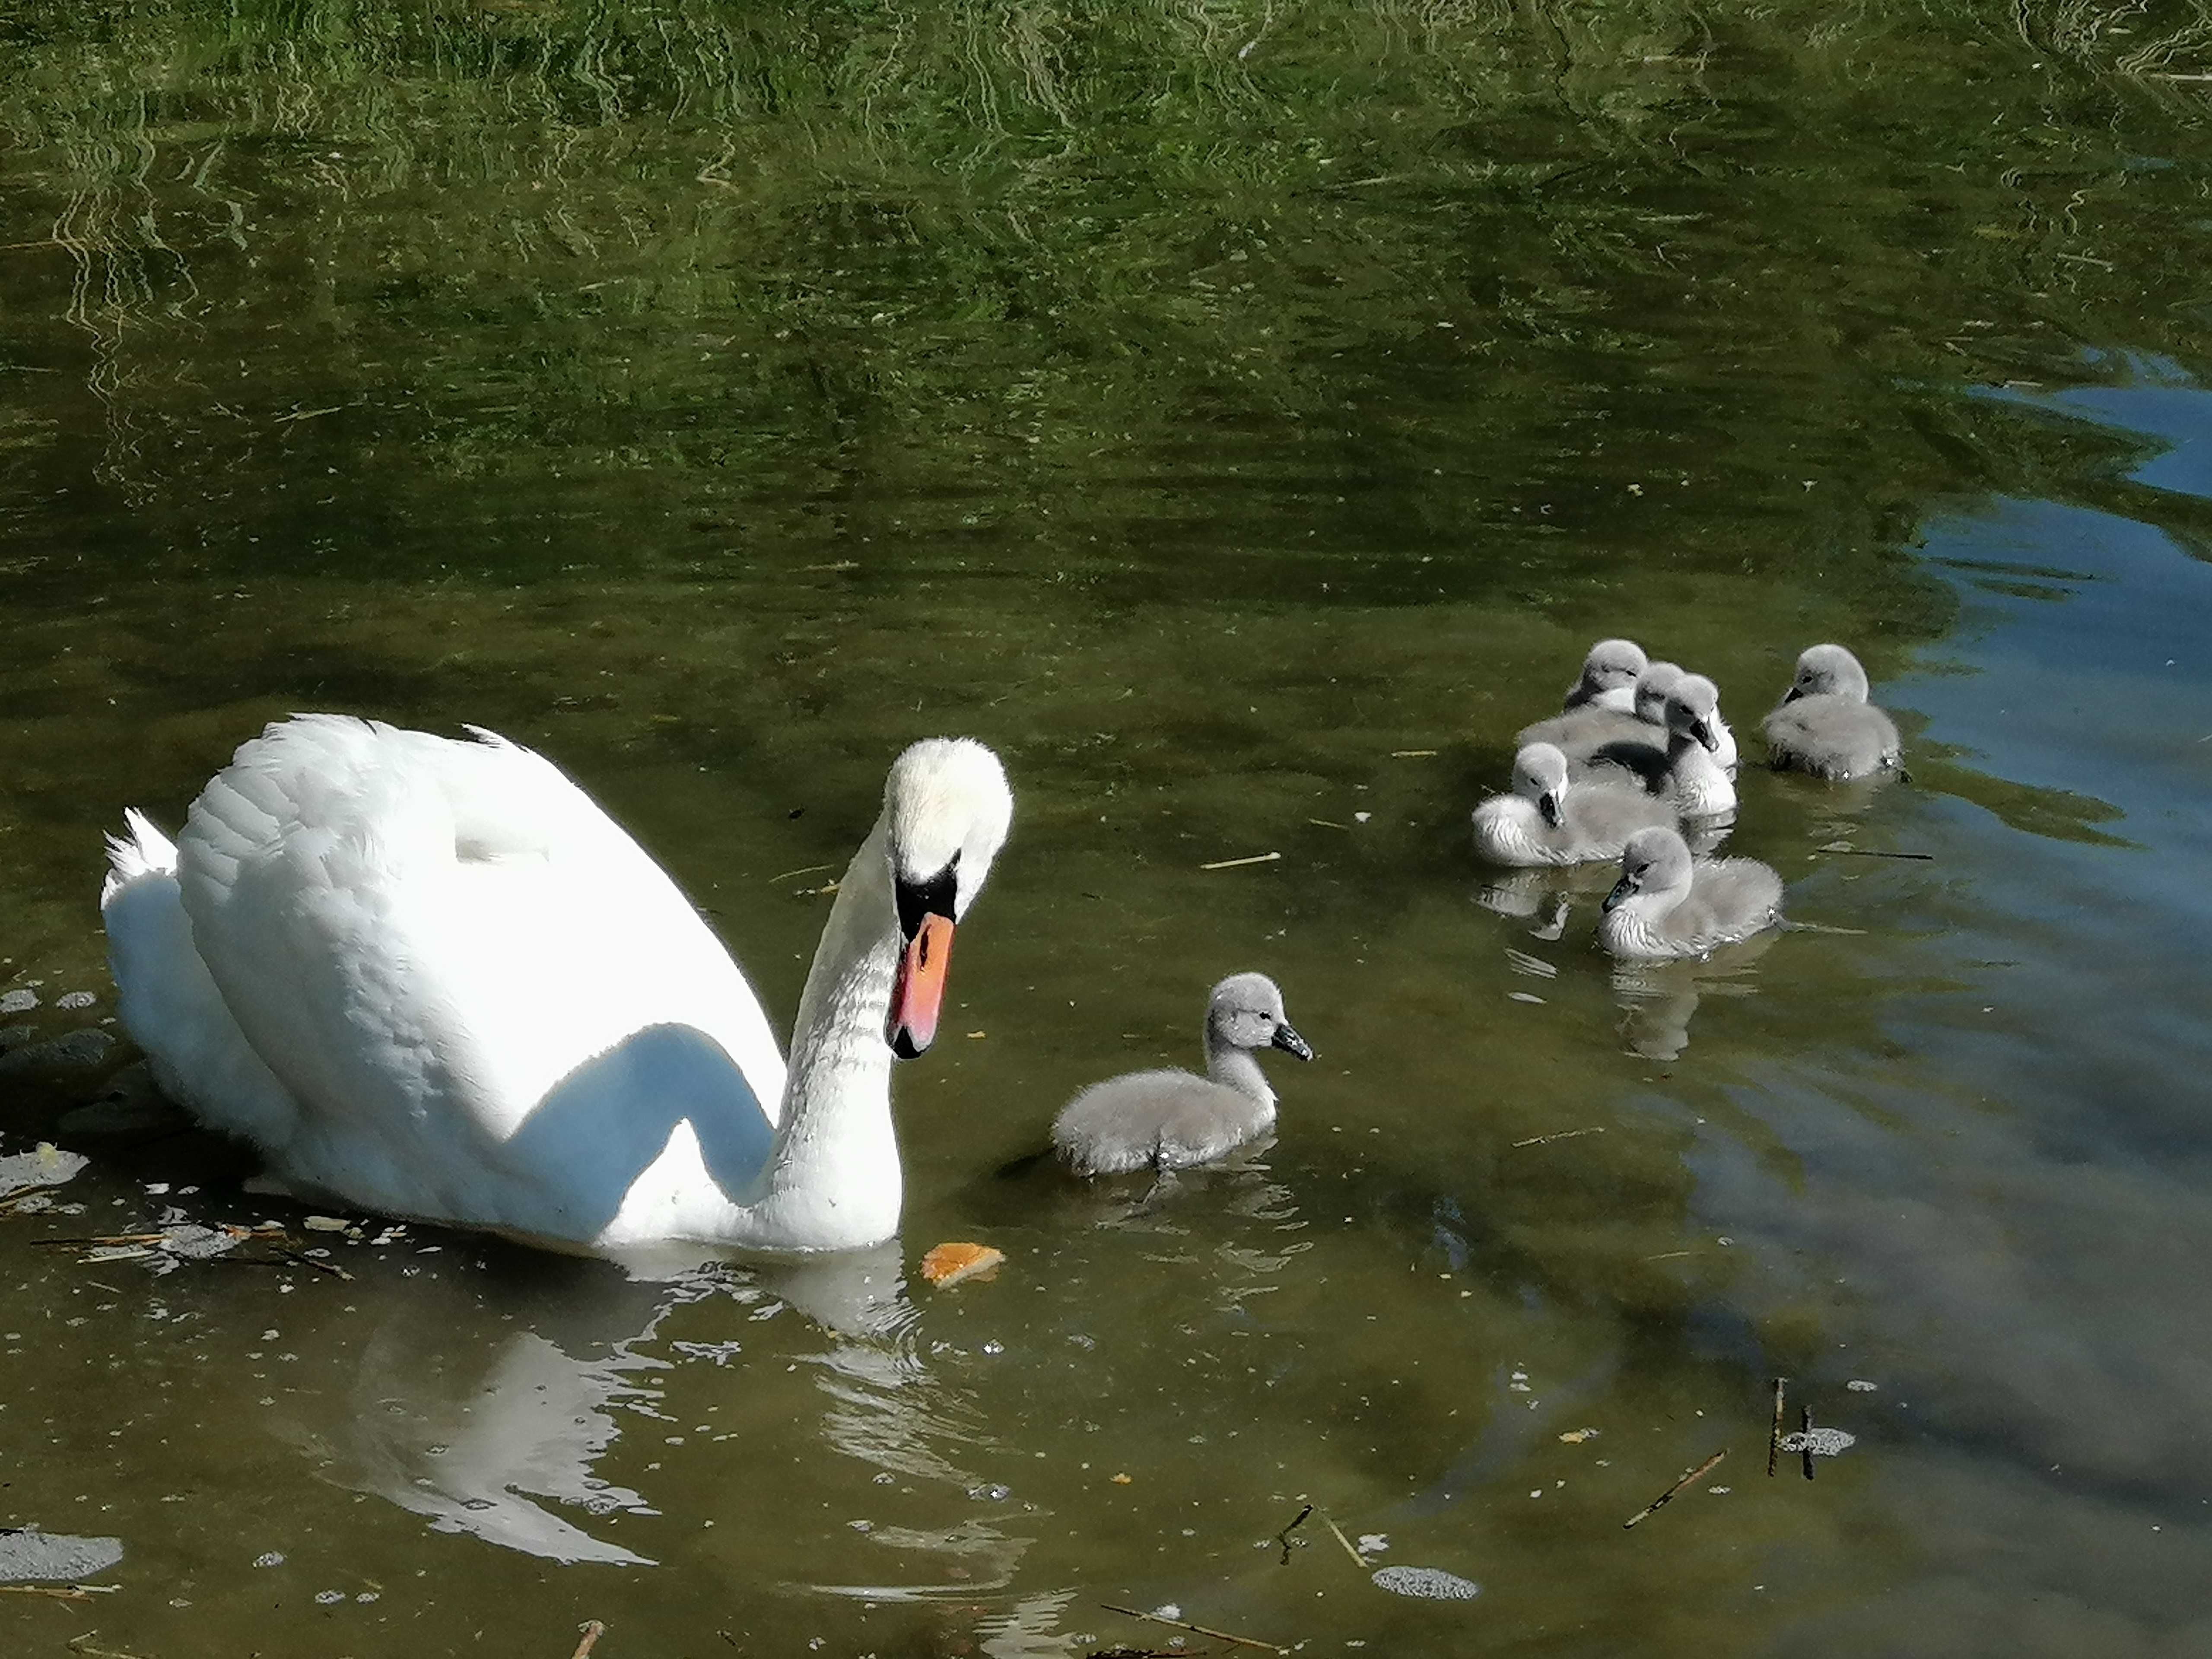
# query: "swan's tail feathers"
x,y
141,851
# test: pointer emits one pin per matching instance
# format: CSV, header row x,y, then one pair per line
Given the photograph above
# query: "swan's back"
x,y
1831,736
421,939
1170,1118
1729,899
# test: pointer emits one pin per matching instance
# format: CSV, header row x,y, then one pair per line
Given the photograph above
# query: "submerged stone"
x,y
1429,1583
30,1554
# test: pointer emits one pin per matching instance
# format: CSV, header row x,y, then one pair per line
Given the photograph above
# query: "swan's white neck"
x,y
832,1178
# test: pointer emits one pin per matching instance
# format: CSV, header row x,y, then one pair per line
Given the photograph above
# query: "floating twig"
x,y
1231,864
1774,1439
1360,1560
1560,1134
1329,823
1805,1428
592,1629
1284,1536
1411,754
1877,852
83,1645
1201,1630
61,1592
1668,1496
809,870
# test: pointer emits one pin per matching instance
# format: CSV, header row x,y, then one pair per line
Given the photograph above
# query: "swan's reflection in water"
x,y
485,1401
1658,999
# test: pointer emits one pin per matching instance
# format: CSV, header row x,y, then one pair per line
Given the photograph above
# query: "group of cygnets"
x,y
1638,752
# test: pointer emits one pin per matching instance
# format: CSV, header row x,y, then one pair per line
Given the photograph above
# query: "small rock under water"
x,y
30,1554
1429,1583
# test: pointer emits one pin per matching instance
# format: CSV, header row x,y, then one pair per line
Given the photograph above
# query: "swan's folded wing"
x,y
423,937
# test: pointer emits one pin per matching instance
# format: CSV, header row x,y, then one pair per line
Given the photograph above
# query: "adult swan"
x,y
429,977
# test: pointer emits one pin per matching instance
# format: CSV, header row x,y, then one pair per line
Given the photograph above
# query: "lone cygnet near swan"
x,y
1665,905
1548,820
1825,726
1172,1118
430,977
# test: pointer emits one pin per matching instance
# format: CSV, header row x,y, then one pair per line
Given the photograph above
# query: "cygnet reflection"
x,y
1658,999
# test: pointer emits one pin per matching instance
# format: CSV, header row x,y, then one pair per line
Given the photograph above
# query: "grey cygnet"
x,y
1548,820
1665,905
1172,1119
1686,770
1825,726
1600,706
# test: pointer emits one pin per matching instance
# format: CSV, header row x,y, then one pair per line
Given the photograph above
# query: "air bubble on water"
x,y
329,1598
1428,1583
272,1558
1821,1443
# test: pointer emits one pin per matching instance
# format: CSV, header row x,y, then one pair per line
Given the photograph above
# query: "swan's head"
x,y
1828,670
1652,686
1540,775
1245,1011
1612,665
1690,707
946,809
1655,860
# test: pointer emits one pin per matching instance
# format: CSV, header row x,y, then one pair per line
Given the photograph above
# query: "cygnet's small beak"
x,y
1702,730
1621,889
918,990
1290,1042
1794,692
1548,805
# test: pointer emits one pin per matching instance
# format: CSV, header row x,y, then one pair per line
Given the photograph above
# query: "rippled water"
x,y
1242,419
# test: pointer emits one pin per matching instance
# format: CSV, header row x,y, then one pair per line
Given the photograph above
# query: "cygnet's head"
x,y
946,810
1652,686
1245,1011
1690,707
1540,775
1611,665
1655,860
1829,670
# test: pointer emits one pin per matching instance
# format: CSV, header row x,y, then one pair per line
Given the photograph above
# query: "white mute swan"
x,y
430,977
1174,1119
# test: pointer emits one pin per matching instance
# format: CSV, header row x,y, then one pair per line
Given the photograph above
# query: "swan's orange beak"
x,y
919,988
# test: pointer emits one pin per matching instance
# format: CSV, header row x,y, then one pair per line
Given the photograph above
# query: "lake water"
x,y
1243,417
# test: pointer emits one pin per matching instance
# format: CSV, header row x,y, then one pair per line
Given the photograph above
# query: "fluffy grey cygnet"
x,y
1665,905
1608,677
1173,1119
1825,726
1600,706
1684,764
1547,820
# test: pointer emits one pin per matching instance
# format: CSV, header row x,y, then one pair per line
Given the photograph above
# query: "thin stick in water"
x,y
1234,864
592,1629
1805,1433
1774,1437
1201,1630
1559,1134
1668,1496
1357,1556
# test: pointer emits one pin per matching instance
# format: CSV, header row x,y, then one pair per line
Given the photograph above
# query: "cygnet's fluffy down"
x,y
1825,726
1681,763
1600,706
1547,820
1173,1119
1609,677
1665,905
